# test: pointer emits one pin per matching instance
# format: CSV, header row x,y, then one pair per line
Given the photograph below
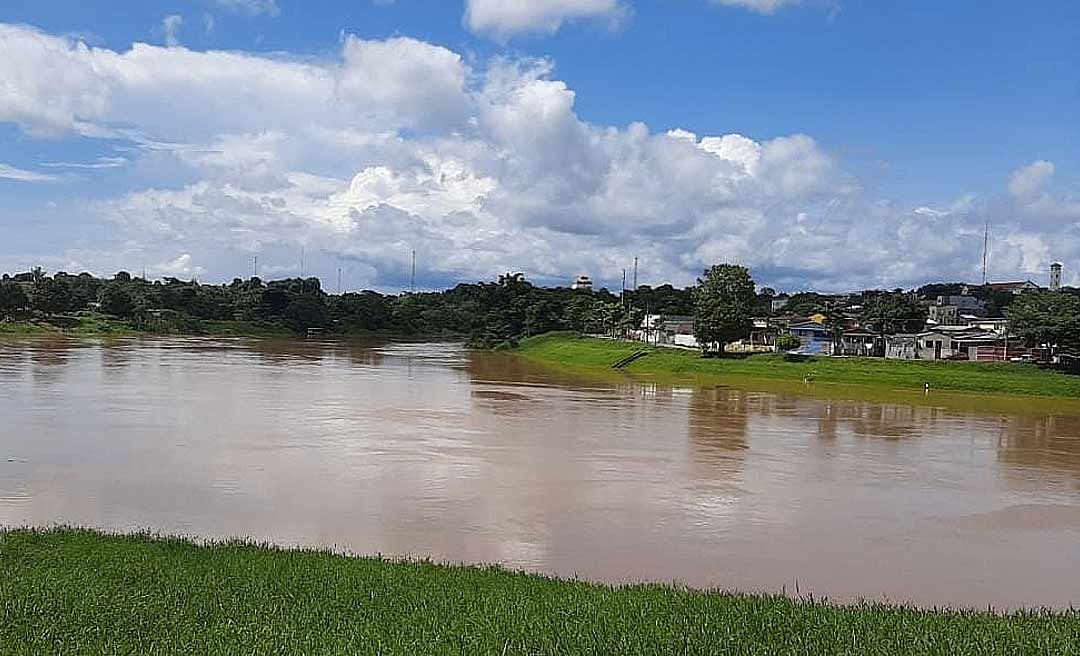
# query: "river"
x,y
430,450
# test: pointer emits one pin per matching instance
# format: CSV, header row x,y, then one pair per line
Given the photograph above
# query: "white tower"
x,y
1055,276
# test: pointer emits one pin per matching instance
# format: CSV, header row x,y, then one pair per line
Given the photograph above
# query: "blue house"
x,y
814,337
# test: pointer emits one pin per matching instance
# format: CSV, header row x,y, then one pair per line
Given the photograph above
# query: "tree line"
x,y
723,304
486,313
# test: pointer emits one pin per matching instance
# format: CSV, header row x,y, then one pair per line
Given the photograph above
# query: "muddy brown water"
x,y
430,450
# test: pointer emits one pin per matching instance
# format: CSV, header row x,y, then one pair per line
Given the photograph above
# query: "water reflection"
x,y
1041,446
427,449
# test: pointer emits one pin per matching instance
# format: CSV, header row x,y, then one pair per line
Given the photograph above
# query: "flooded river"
x,y
430,450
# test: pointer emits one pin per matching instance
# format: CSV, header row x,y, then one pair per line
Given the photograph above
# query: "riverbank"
x,y
77,592
1006,380
91,324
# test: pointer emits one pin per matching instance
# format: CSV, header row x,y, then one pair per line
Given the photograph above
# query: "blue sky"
x,y
874,139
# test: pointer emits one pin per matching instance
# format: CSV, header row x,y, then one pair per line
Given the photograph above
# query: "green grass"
x,y
80,592
243,329
90,324
82,324
1004,379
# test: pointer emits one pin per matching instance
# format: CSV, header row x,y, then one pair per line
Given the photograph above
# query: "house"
x,y
902,347
582,282
762,339
673,330
991,325
859,343
779,302
944,315
1017,287
952,343
813,336
966,303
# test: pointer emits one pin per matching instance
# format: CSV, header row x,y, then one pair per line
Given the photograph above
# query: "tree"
x,y
51,296
1046,318
835,324
12,298
724,302
787,342
306,311
893,312
117,300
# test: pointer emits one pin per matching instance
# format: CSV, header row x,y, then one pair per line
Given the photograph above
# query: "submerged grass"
x,y
80,592
1007,379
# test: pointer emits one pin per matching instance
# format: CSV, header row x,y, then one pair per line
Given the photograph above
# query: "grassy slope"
x,y
96,325
1001,379
77,592
88,325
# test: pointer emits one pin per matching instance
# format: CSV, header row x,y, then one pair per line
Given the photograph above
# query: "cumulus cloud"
x,y
503,19
481,167
1029,180
182,266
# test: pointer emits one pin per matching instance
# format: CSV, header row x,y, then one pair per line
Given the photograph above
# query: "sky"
x,y
828,145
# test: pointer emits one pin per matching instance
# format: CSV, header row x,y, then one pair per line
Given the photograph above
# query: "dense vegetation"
x,y
488,313
569,350
79,592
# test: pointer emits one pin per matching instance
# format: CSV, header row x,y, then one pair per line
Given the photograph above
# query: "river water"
x,y
430,450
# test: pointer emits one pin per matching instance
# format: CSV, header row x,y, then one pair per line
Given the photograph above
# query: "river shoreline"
x,y
1004,387
86,592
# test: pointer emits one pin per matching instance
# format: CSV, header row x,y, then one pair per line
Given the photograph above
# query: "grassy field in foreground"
x,y
79,592
568,350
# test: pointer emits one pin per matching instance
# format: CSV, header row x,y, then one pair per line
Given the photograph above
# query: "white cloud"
x,y
55,86
251,7
181,266
759,6
171,25
398,144
99,163
503,19
1029,180
1028,184
8,172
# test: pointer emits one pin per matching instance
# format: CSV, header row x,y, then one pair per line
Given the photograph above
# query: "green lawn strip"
x,y
80,592
1007,379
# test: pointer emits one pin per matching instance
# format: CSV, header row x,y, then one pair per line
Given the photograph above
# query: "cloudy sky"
x,y
827,144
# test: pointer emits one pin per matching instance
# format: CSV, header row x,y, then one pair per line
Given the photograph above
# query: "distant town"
x,y
1013,321
951,321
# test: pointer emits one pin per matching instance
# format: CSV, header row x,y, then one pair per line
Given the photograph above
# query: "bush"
x,y
787,342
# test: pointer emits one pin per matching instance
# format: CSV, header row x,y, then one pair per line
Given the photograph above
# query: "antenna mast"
x,y
412,279
986,247
635,273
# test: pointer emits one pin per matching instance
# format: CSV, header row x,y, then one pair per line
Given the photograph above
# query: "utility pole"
x,y
986,247
339,281
255,266
412,279
301,261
